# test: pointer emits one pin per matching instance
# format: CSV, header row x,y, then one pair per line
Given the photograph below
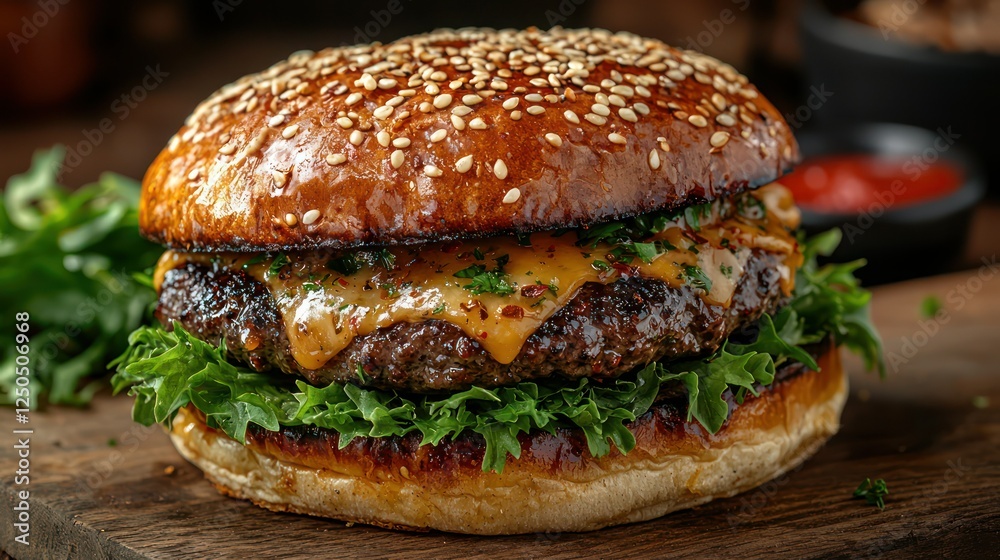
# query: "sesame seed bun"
x,y
459,133
556,485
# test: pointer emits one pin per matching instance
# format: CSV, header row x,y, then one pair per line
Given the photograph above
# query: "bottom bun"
x,y
556,484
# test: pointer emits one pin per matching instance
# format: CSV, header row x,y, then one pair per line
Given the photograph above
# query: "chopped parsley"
x,y
312,286
930,306
391,289
598,264
697,278
345,264
726,270
256,259
385,259
484,281
478,254
873,492
277,264
438,310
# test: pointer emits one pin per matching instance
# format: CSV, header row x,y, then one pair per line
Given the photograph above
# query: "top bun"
x,y
457,134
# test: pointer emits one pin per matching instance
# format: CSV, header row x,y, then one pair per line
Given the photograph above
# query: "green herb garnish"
x,y
484,281
277,264
873,492
697,278
930,306
385,259
347,265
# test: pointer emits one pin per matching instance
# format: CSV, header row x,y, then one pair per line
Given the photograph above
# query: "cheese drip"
x,y
323,310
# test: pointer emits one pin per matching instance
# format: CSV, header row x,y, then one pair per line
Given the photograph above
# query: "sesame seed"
x,y
463,164
745,133
642,91
676,75
194,174
600,109
310,217
457,122
471,99
276,120
628,114
432,171
553,139
279,178
571,117
719,101
500,170
395,101
290,131
396,159
591,88
401,142
291,220
654,160
477,124
336,159
461,110
698,121
515,115
725,119
511,103
595,119
602,99
383,138
438,76
641,108
442,100
719,139
407,92
227,149
455,84
368,82
623,90
616,100
438,135
536,110
353,98
533,97
386,83
356,137
512,196
382,112
616,138
344,122
432,89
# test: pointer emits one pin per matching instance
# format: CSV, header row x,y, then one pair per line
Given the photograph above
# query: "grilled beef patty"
x,y
603,332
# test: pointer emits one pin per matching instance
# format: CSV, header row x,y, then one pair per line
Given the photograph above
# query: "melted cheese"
x,y
323,310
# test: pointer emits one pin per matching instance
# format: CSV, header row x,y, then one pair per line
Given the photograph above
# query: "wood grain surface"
x,y
931,429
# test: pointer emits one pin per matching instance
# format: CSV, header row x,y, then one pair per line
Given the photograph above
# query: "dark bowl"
x,y
872,76
902,241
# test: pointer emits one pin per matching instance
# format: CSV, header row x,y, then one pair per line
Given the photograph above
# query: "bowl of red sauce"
x,y
902,196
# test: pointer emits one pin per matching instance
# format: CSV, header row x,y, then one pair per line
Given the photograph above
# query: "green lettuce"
x,y
69,259
167,370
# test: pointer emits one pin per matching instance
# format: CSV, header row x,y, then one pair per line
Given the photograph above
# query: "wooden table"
x,y
932,430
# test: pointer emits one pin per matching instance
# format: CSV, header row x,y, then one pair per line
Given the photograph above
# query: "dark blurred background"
x,y
113,80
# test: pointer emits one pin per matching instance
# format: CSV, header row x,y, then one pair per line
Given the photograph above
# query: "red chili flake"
x,y
343,282
483,334
625,270
551,249
451,247
533,290
513,312
483,315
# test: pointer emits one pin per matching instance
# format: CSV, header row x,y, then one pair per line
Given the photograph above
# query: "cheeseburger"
x,y
489,282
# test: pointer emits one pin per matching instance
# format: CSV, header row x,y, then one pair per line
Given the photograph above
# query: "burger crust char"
x,y
556,485
369,144
604,331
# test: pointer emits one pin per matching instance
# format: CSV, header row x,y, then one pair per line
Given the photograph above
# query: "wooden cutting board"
x,y
932,430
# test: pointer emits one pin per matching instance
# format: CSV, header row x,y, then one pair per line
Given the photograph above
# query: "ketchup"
x,y
850,184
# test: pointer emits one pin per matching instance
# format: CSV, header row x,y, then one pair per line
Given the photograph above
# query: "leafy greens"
x,y
70,259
